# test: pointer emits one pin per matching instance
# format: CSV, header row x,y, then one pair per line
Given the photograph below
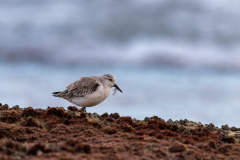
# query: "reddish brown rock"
x,y
30,122
177,148
59,112
125,120
29,112
110,130
56,133
72,108
10,116
4,107
115,115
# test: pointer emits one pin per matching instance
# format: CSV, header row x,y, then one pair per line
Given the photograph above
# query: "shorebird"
x,y
89,91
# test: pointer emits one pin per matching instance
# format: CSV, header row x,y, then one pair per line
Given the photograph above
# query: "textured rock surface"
x,y
56,133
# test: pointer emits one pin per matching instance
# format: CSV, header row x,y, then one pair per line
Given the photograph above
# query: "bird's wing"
x,y
80,88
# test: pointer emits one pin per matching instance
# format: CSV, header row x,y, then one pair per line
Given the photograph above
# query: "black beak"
x,y
117,87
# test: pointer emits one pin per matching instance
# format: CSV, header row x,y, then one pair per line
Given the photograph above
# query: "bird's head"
x,y
110,80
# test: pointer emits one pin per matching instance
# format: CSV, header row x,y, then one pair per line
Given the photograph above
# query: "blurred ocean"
x,y
173,59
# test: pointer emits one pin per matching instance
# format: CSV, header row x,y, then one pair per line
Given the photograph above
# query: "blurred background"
x,y
173,59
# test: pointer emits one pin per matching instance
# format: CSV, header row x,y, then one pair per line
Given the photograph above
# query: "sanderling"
x,y
89,91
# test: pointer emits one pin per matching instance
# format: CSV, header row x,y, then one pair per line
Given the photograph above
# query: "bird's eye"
x,y
110,80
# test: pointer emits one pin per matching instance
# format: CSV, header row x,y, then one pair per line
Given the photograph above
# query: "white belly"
x,y
92,99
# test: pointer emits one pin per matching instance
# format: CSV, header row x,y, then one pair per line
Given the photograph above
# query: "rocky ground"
x,y
56,133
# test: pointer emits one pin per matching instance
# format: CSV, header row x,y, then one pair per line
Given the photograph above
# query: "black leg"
x,y
83,109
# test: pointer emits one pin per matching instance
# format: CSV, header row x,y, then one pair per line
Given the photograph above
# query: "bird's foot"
x,y
83,109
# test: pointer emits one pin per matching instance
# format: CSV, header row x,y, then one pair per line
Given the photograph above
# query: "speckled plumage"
x,y
88,91
79,88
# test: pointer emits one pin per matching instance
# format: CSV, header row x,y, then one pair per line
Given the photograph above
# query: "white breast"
x,y
92,99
